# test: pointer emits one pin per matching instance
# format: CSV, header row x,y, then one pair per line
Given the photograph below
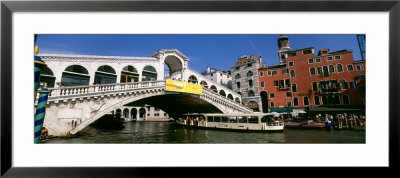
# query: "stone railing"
x,y
226,101
66,92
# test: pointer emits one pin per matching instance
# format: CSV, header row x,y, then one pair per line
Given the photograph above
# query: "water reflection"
x,y
167,132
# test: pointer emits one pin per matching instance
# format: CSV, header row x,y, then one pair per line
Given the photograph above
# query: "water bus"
x,y
233,121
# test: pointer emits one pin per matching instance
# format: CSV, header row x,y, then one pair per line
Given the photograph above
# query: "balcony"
x,y
329,91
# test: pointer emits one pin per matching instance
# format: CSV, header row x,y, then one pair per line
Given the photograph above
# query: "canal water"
x,y
168,132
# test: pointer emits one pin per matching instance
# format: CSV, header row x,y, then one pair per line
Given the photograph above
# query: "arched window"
x,y
47,76
104,75
249,73
230,96
305,101
251,93
129,74
237,76
344,84
326,71
312,71
339,68
331,68
295,101
133,113
294,88
237,100
317,101
214,88
346,99
142,113
149,73
319,70
118,112
222,93
75,75
315,86
204,83
192,79
292,74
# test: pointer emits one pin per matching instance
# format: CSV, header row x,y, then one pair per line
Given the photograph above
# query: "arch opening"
x,y
149,73
129,74
75,75
105,75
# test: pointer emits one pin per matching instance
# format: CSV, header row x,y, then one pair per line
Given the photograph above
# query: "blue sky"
x,y
217,51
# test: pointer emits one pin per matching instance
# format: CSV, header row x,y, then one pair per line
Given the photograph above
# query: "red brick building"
x,y
304,79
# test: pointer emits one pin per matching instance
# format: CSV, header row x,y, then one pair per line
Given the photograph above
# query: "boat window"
x,y
232,119
224,119
217,119
266,118
210,119
242,119
253,119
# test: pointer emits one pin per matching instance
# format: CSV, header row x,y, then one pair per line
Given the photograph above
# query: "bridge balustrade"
x,y
105,88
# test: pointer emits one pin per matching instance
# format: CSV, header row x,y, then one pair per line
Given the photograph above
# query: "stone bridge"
x,y
124,80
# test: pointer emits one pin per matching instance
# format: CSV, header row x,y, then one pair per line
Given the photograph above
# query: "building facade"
x,y
245,80
304,79
222,77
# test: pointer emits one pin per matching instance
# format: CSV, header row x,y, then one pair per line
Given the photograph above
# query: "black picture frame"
x,y
8,7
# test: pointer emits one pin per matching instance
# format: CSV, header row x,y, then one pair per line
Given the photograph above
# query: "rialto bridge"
x,y
85,88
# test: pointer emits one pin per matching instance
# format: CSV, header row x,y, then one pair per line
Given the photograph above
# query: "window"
x,y
319,70
308,51
350,67
285,71
217,119
329,58
288,94
262,84
249,73
237,76
315,86
317,60
339,68
359,67
344,84
274,72
269,72
225,119
249,65
232,119
289,103
291,63
253,119
353,85
292,74
272,104
250,83
251,93
316,100
331,68
311,60
276,83
210,119
312,71
361,77
238,84
295,101
305,101
326,71
261,74
346,99
294,88
271,95
338,57
238,67
242,119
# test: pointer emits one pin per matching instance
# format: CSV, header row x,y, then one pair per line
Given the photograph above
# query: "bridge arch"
x,y
204,84
174,64
230,96
105,74
149,73
193,79
47,75
129,74
75,75
214,88
222,93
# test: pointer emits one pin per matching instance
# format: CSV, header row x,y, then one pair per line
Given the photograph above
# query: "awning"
x,y
332,109
252,105
282,110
